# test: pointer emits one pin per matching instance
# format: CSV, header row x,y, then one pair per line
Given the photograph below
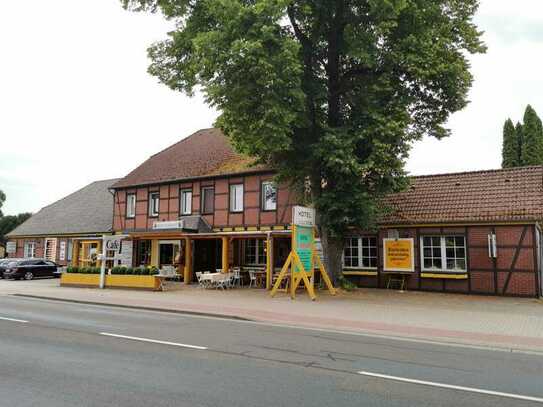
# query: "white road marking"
x,y
14,320
453,387
135,338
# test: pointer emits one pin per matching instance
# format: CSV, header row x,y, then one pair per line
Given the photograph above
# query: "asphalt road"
x,y
55,354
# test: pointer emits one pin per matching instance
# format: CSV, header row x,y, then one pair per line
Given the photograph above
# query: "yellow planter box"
x,y
141,282
79,280
115,281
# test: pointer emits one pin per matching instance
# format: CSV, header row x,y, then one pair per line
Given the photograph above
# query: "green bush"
x,y
347,284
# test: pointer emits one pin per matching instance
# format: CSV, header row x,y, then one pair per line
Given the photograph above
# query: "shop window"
x,y
269,196
185,203
154,204
30,250
236,198
443,253
208,200
360,252
255,252
130,205
143,253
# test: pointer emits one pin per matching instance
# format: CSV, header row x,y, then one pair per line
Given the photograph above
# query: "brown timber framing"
x,y
514,262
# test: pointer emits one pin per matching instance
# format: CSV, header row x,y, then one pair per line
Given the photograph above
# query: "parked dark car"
x,y
29,269
4,265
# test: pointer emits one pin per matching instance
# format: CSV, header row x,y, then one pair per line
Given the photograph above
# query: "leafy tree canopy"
x,y
10,222
333,92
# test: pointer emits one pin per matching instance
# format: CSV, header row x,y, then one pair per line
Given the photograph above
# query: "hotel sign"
x,y
303,216
398,255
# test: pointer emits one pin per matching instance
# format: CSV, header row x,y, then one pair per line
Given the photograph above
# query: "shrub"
x,y
347,284
153,270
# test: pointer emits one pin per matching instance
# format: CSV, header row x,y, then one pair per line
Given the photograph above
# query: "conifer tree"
x,y
510,145
519,136
532,138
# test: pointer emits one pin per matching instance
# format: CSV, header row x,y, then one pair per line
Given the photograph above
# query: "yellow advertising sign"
x,y
398,255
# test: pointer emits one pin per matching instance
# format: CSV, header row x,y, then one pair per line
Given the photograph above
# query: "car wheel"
x,y
29,275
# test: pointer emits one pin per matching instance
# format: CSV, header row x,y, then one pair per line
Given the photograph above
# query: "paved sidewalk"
x,y
509,323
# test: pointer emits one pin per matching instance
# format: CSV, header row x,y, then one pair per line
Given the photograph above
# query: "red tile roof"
x,y
505,195
207,152
514,194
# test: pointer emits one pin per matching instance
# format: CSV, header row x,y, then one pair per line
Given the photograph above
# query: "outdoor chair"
x,y
199,278
236,279
252,277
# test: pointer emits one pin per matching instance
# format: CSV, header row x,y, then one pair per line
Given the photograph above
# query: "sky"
x,y
77,104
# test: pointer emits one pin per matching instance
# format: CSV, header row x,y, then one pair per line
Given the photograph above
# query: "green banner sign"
x,y
305,241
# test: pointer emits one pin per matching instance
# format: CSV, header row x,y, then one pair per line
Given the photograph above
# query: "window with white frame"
x,y
154,203
186,201
360,252
30,250
443,253
130,205
255,251
269,196
236,198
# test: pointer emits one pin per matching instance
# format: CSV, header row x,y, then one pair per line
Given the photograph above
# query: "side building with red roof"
x,y
199,206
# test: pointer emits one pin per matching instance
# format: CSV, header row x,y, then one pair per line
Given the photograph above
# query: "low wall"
x,y
114,281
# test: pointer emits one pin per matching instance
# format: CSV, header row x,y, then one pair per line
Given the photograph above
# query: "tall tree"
x,y
510,156
532,138
332,93
10,222
520,142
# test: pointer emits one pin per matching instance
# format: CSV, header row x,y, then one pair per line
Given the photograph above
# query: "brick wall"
x,y
222,217
513,273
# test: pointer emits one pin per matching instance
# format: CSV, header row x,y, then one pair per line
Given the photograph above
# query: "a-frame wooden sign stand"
x,y
303,243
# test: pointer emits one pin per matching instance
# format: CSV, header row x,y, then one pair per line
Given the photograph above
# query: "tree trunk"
x,y
333,252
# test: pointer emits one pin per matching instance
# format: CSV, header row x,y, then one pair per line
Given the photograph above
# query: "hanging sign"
x,y
11,247
398,255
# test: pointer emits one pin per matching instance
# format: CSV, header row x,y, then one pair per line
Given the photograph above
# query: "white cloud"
x,y
76,103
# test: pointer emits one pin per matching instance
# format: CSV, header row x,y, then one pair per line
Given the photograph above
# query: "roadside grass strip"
x,y
453,387
135,338
22,321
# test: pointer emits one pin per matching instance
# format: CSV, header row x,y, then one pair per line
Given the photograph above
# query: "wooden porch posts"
x,y
187,277
225,265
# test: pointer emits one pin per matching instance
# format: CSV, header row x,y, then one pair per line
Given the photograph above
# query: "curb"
x,y
135,307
